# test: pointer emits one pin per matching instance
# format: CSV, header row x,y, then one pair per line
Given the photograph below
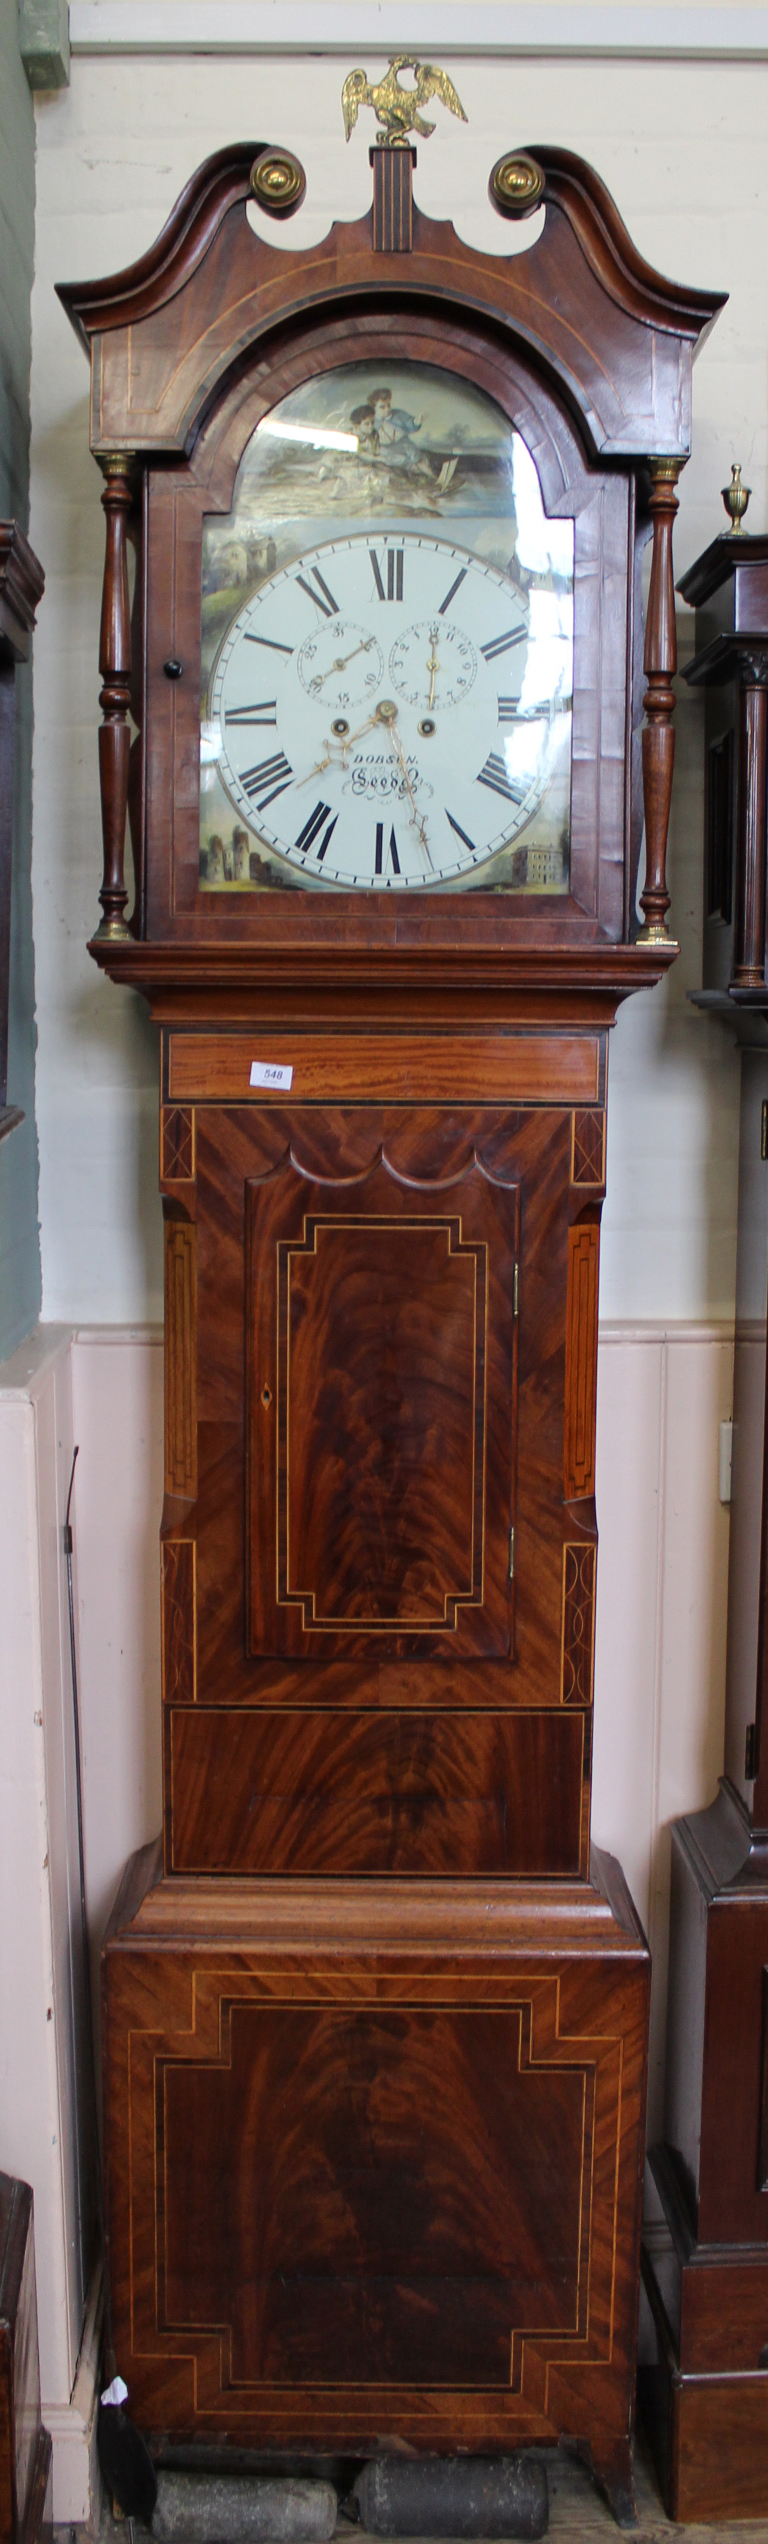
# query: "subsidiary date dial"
x,y
381,714
340,664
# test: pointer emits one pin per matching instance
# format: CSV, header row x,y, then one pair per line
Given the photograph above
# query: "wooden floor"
x,y
576,2509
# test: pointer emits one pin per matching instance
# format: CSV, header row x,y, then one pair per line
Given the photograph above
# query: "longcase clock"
x,y
375,2020
706,2394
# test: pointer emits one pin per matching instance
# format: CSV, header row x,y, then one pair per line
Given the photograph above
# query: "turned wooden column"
x,y
749,939
660,665
114,698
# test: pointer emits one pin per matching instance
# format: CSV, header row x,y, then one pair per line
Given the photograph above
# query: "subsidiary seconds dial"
x,y
381,712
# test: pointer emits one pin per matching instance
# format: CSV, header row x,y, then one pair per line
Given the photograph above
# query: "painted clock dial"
x,y
388,707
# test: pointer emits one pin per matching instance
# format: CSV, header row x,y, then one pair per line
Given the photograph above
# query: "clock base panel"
x,y
704,2388
374,2162
707,2419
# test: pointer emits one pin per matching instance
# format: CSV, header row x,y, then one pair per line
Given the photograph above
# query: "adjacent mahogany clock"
x,y
706,2391
387,727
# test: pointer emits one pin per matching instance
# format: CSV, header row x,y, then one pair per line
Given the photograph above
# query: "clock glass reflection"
x,y
387,656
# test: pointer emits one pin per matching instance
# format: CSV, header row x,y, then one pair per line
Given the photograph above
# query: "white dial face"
x,y
382,711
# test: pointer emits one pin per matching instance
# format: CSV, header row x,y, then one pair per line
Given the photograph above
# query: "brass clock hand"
x,y
432,666
363,648
342,744
387,715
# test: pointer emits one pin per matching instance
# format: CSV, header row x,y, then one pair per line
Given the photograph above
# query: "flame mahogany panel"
x,y
409,1178
382,1685
322,1792
380,1404
397,2269
446,1068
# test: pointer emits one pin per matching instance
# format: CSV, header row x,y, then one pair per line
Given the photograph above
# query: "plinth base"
x,y
704,2401
374,2162
706,2398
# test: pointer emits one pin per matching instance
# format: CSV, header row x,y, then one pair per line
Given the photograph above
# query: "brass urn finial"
x,y
736,497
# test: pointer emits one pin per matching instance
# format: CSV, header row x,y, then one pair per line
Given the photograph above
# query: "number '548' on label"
x,y
265,1073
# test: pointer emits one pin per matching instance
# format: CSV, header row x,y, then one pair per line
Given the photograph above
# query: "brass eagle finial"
x,y
398,108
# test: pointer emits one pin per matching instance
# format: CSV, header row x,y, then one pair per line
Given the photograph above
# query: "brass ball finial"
x,y
516,185
736,498
278,183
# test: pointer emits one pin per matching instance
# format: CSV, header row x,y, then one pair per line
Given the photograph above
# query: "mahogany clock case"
x,y
375,2028
400,1678
375,2162
728,586
577,341
705,2387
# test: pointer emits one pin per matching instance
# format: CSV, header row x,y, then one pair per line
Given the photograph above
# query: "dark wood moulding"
x,y
22,582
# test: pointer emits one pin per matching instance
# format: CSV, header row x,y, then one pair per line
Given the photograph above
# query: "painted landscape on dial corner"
x,y
387,647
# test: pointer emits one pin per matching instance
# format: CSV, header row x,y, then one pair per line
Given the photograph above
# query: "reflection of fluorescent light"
x,y
527,752
542,545
311,433
210,744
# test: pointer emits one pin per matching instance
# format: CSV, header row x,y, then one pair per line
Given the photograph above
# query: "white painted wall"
x,y
46,2105
661,1612
682,145
117,1409
500,27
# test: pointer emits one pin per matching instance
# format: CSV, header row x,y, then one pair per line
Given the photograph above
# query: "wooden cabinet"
x,y
344,1285
25,2447
375,2023
374,2159
706,2396
21,589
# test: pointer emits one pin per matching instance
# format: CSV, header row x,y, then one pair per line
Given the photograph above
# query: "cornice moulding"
x,y
382,26
22,583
